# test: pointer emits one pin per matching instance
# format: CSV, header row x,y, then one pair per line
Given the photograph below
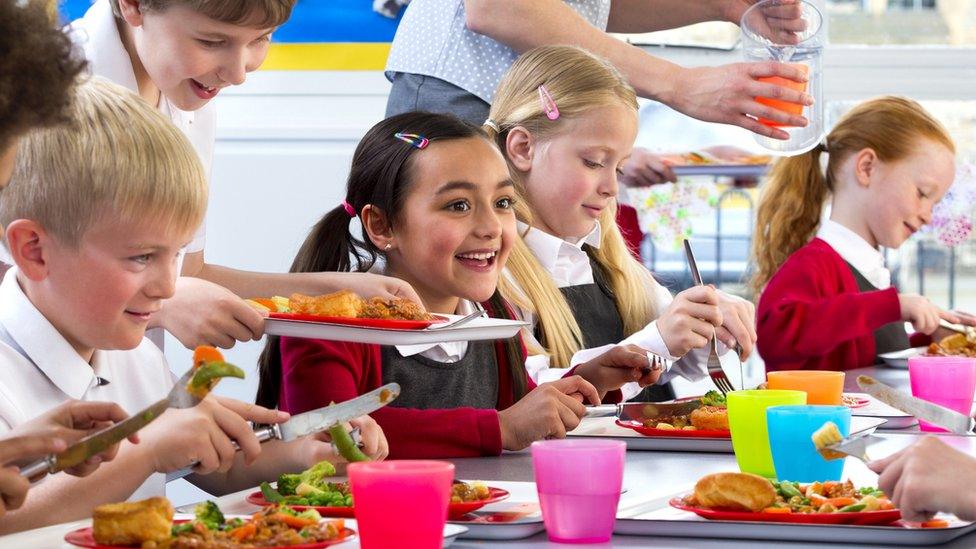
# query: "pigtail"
x,y
790,207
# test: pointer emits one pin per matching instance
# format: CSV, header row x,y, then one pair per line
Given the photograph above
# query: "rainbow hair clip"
x,y
548,105
417,141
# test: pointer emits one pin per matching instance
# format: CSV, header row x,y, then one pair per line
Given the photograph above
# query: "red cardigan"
x,y
812,315
317,372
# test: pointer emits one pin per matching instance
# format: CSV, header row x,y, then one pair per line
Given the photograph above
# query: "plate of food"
x,y
705,163
697,417
751,498
899,359
954,345
149,523
313,489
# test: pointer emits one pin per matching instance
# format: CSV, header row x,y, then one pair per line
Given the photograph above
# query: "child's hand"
x,y
13,487
690,320
738,323
929,477
548,411
204,433
619,365
203,313
923,315
72,421
644,169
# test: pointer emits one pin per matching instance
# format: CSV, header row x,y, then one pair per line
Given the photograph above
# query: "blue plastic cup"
x,y
795,458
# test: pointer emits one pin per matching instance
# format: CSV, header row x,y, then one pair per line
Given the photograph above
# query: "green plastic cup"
x,y
747,421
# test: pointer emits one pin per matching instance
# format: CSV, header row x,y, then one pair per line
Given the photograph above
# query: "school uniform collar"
x,y
107,56
453,349
853,249
548,248
39,341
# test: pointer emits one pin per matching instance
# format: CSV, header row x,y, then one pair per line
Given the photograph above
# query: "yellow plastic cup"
x,y
747,421
821,387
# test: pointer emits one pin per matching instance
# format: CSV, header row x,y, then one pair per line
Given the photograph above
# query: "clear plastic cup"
x,y
747,421
579,485
795,457
788,31
821,387
948,381
401,500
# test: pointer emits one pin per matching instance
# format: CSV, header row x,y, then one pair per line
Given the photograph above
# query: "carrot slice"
x,y
778,510
243,532
293,522
935,523
205,353
267,302
841,502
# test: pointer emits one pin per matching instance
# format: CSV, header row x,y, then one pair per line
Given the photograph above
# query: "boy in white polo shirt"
x,y
96,213
178,55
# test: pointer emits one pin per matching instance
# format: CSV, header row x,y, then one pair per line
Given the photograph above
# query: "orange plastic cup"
x,y
820,386
778,104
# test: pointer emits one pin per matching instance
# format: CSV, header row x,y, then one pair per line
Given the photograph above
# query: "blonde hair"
x,y
260,14
578,82
116,155
793,198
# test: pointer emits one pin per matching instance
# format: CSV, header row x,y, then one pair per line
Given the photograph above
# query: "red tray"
x,y
649,432
454,510
860,518
83,537
362,322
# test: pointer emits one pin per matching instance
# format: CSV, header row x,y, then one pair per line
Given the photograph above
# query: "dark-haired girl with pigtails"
x,y
435,201
827,300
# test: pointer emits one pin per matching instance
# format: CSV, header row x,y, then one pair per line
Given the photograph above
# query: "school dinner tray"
x,y
658,518
517,517
477,329
718,170
604,427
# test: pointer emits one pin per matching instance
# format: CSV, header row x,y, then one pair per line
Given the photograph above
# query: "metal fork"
x,y
715,370
455,323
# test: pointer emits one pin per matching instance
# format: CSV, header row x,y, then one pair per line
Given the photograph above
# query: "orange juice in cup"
x,y
821,387
778,104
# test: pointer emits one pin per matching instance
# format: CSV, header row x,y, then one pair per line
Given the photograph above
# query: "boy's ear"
x,y
519,148
130,12
377,226
865,165
27,240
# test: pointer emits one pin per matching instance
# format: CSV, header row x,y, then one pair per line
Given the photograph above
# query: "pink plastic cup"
x,y
948,381
579,487
403,500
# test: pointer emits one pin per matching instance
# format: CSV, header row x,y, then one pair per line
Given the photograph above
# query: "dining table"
x,y
648,476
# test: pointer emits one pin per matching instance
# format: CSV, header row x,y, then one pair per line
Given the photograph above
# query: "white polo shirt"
x,y
41,370
98,36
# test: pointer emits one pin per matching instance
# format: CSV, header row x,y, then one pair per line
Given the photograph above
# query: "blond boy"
x,y
97,212
178,55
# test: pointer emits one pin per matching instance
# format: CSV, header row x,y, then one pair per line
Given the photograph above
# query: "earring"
x,y
388,247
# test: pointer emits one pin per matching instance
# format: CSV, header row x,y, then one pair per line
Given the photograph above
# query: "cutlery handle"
x,y
602,410
37,470
263,434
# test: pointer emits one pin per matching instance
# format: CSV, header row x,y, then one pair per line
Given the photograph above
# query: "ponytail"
x,y
790,207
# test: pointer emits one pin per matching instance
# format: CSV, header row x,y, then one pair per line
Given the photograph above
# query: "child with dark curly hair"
x,y
37,72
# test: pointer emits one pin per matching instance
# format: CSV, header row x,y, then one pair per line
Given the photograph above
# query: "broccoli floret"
x,y
287,483
209,514
310,514
305,490
318,474
713,398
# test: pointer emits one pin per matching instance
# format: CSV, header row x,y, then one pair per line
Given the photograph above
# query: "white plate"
x,y
899,359
894,418
479,328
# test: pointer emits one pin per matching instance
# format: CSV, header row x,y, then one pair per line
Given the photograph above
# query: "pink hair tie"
x,y
548,105
349,209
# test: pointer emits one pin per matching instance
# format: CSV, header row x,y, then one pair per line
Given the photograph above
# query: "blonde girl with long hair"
x,y
827,302
566,121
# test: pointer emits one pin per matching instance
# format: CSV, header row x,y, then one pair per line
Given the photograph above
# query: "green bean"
x,y
345,444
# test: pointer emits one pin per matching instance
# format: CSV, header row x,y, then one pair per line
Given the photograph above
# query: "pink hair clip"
x,y
548,105
349,209
418,141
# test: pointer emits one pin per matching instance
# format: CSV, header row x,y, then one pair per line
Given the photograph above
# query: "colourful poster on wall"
x,y
321,35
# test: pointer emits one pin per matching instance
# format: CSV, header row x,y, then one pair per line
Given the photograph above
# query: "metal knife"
x,y
640,411
856,446
933,413
318,420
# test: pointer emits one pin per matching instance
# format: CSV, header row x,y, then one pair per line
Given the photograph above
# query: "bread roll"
x,y
133,523
735,491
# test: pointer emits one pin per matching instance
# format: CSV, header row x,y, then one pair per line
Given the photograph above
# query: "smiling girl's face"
x,y
571,178
457,224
